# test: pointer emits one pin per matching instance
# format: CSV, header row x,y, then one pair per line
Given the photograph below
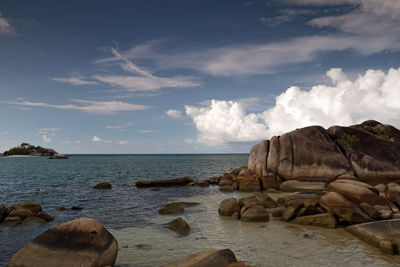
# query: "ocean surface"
x,y
131,214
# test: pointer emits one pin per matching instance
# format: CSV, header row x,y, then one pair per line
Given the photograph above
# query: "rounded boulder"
x,y
80,242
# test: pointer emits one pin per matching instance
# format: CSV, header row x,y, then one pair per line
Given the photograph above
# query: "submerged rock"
x,y
103,185
180,226
164,183
172,208
212,258
382,234
81,242
326,220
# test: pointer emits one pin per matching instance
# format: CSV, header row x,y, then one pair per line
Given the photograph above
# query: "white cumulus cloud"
x,y
373,95
175,114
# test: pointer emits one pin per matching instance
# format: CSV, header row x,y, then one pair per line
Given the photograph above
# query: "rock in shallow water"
x,y
326,220
103,185
382,234
81,242
254,214
180,226
212,258
163,183
228,207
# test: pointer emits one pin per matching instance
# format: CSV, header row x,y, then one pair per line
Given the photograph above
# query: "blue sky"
x,y
192,76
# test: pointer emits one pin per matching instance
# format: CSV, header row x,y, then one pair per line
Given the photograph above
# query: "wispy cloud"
x,y
96,139
287,15
146,131
142,80
119,127
5,27
175,114
48,130
89,106
123,143
78,80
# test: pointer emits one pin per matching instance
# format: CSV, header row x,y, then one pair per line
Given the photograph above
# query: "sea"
x,y
131,214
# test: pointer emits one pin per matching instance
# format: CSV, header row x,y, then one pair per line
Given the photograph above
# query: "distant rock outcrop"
x,y
26,149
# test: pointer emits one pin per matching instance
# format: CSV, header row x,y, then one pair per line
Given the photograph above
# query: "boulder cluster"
x,y
23,213
248,209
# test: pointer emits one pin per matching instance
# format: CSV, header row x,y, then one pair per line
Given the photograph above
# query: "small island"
x,y
28,150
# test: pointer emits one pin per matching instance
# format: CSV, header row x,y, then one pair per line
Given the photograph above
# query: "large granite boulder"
x,y
3,212
258,158
357,194
81,242
384,131
337,204
358,183
373,159
304,154
211,258
382,234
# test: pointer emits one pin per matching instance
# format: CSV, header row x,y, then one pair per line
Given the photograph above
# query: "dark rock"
x,y
255,214
12,221
380,234
172,208
45,216
302,186
103,185
59,156
224,182
31,205
304,198
235,172
265,200
3,212
226,188
156,189
371,211
270,181
76,208
212,258
308,210
272,190
374,160
21,212
203,183
326,220
33,220
337,204
290,213
306,154
164,183
81,242
228,206
61,209
180,226
278,212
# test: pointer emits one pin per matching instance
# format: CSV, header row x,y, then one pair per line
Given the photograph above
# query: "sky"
x,y
204,76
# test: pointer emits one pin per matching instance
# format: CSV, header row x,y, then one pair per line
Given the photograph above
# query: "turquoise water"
x,y
67,183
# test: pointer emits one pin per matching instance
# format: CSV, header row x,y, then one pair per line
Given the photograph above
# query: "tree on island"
x,y
28,149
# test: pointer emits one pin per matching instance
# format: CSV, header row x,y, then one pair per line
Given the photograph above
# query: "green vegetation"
x,y
28,149
348,140
385,133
